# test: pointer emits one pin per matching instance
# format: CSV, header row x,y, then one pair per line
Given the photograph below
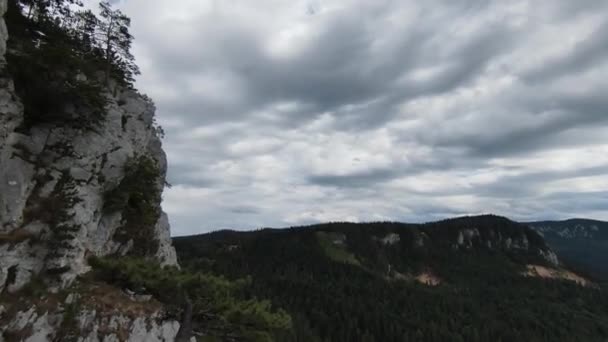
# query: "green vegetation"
x,y
35,288
483,295
334,246
58,211
54,209
114,39
55,57
137,197
221,309
69,331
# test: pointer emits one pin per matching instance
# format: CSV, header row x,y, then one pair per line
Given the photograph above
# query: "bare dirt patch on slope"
x,y
552,273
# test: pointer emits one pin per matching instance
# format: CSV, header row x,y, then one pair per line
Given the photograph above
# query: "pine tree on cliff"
x,y
115,40
84,28
56,54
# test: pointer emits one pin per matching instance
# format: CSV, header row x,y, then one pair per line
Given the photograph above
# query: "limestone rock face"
x,y
495,239
390,239
54,182
3,30
89,313
113,328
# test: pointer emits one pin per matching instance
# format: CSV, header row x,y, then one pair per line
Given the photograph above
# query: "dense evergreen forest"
x,y
455,280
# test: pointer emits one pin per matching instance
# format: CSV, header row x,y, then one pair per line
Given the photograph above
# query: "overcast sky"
x,y
282,113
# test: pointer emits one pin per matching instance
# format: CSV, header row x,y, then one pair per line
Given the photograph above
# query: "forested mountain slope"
x,y
465,279
581,243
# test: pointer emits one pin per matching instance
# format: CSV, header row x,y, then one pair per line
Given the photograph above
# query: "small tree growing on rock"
x,y
115,40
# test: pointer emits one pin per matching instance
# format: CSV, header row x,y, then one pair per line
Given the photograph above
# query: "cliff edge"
x,y
68,193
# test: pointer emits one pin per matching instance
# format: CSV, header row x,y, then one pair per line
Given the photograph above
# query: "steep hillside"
x,y
467,279
579,242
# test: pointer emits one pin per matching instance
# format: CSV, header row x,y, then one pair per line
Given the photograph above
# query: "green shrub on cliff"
x,y
220,307
137,197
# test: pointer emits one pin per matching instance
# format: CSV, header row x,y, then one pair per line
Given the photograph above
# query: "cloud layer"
x,y
290,112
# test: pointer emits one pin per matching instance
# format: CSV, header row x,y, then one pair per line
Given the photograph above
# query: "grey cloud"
x,y
189,175
527,140
528,184
468,62
578,201
442,89
569,9
339,67
244,209
540,120
442,159
589,52
360,179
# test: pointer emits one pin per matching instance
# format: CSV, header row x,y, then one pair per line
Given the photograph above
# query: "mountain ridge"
x,y
574,219
388,281
575,245
582,243
488,232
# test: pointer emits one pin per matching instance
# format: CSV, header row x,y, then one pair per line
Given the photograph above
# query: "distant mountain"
x,y
572,229
482,278
581,243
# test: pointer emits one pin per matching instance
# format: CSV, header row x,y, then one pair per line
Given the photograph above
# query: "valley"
x,y
581,243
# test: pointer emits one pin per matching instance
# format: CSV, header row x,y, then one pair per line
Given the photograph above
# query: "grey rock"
x,y
95,326
390,239
142,298
50,167
32,167
71,298
166,253
550,256
3,31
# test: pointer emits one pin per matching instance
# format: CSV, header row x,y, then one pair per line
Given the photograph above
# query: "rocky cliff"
x,y
65,195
